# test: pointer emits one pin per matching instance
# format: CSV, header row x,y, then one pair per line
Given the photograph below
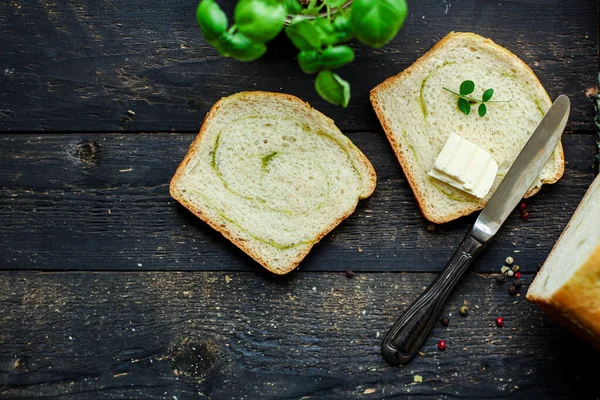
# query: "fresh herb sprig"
x,y
465,101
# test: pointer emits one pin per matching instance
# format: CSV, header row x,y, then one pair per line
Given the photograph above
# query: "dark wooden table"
x,y
109,289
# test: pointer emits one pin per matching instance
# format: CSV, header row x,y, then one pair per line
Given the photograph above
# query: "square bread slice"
x,y
568,285
418,115
272,175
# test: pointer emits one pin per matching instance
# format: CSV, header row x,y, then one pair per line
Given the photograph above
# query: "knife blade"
x,y
407,334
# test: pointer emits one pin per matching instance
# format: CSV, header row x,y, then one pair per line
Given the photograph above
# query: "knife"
x,y
412,328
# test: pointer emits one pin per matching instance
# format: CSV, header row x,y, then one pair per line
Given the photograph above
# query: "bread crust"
x,y
406,166
571,304
368,186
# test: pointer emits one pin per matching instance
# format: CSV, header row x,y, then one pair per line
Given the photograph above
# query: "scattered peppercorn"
x,y
349,274
518,275
509,260
504,269
464,310
512,289
518,283
431,227
445,322
515,268
510,272
524,215
522,206
442,345
500,322
500,279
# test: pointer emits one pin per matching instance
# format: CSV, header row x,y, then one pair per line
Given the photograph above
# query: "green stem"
x,y
476,100
232,29
343,11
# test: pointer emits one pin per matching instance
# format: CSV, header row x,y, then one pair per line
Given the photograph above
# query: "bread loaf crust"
x,y
576,305
368,184
402,159
572,304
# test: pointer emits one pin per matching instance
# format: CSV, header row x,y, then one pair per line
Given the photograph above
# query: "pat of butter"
x,y
465,166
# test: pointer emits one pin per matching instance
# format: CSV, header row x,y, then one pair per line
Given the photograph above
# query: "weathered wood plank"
x,y
247,335
101,202
81,65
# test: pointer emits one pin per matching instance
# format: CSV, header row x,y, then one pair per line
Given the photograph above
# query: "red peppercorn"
x,y
518,275
500,322
524,215
442,345
522,206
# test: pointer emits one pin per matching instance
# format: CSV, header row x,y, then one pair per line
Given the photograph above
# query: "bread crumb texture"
x,y
273,175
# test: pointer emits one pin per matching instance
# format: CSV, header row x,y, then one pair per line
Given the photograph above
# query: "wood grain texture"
x,y
246,335
101,202
109,65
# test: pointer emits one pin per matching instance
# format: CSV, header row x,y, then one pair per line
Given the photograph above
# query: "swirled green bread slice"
x,y
272,175
418,115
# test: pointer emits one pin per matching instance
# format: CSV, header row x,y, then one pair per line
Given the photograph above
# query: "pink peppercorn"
x,y
518,275
524,215
500,322
522,206
442,345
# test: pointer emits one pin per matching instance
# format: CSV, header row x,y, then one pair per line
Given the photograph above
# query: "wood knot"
x,y
195,358
87,152
197,104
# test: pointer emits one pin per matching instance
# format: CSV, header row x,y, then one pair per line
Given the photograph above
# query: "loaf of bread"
x,y
418,115
272,175
568,285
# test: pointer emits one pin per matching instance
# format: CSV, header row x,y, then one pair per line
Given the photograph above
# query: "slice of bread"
x,y
272,175
417,115
568,285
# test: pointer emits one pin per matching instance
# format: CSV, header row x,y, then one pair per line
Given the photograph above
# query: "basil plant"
x,y
318,29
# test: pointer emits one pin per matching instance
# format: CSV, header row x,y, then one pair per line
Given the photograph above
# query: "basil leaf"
x,y
310,7
466,88
333,88
217,44
293,7
464,106
212,20
376,22
241,47
335,3
342,24
310,61
324,27
260,20
482,109
304,35
338,56
343,30
487,95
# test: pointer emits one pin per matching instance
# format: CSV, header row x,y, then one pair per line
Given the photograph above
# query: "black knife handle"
x,y
405,337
